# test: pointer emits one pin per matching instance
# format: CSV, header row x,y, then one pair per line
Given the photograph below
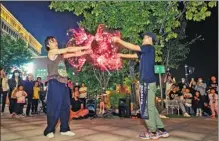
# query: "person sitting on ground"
x,y
102,103
77,108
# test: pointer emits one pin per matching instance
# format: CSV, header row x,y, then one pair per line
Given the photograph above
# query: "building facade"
x,y
11,26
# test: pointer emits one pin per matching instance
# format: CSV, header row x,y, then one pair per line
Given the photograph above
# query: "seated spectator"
x,y
77,108
206,109
198,104
213,102
188,101
175,94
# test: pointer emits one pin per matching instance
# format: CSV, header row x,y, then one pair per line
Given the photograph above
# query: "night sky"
x,y
40,21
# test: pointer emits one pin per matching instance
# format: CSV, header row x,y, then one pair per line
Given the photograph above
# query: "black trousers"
x,y
3,99
12,106
34,105
19,108
29,104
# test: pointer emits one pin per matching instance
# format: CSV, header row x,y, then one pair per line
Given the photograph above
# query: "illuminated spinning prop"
x,y
104,55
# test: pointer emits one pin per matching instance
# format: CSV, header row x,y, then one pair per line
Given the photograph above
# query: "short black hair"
x,y
39,78
46,42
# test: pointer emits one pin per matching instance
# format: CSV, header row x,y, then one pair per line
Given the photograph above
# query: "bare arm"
x,y
130,56
126,44
68,50
76,54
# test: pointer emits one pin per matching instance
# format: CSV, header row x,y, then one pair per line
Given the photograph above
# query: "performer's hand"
x,y
115,39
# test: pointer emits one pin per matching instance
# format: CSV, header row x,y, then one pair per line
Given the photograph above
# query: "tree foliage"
x,y
133,18
13,52
176,50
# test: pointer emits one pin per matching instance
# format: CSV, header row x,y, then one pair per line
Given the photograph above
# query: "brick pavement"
x,y
100,129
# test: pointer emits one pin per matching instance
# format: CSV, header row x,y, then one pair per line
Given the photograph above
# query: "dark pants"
x,y
34,105
19,108
12,106
29,104
3,99
58,106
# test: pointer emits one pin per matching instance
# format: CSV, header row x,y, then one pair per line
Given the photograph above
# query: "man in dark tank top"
x,y
58,100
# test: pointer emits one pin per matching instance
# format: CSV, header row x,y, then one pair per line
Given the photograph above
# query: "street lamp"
x,y
186,73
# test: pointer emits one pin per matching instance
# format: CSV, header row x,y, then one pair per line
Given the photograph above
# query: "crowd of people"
x,y
18,92
196,97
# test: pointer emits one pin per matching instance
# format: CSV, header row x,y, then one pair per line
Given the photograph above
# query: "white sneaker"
x,y
68,133
186,115
50,135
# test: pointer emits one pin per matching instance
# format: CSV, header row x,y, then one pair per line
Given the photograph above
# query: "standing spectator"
x,y
213,84
197,104
188,101
169,82
40,85
83,93
70,86
28,87
36,96
213,102
201,87
182,84
20,94
4,88
13,83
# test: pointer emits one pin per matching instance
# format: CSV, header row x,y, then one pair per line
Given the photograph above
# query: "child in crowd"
x,y
198,103
102,103
35,100
213,102
20,94
188,101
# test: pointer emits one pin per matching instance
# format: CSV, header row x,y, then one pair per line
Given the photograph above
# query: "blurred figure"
x,y
4,88
83,93
77,107
213,102
213,84
197,104
15,81
20,94
28,87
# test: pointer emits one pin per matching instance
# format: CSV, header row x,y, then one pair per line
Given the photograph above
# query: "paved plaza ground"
x,y
114,129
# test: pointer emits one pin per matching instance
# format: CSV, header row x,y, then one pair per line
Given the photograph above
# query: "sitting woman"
x,y
77,107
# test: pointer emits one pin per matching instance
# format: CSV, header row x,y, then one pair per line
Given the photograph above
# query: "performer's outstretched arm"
x,y
126,44
68,50
129,56
76,54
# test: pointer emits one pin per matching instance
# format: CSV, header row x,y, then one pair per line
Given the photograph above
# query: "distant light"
x,y
29,67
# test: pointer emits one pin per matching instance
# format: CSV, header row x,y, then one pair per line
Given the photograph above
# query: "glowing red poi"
x,y
104,55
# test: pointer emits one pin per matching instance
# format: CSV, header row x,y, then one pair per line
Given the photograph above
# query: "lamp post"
x,y
186,73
